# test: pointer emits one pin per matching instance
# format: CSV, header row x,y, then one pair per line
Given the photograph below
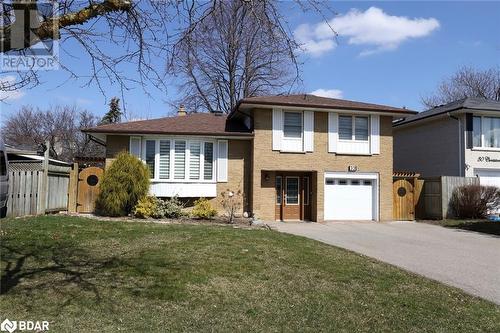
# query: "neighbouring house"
x,y
461,138
295,157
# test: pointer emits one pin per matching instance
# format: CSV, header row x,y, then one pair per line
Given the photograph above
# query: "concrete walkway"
x,y
463,259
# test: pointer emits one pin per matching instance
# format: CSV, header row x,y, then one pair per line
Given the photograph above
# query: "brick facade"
x,y
266,161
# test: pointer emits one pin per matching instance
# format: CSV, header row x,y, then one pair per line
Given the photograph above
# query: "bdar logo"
x,y
8,325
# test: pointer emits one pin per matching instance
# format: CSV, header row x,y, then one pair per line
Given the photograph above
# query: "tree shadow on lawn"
x,y
484,227
75,275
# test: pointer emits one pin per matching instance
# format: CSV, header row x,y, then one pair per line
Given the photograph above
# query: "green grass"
x,y
482,226
86,275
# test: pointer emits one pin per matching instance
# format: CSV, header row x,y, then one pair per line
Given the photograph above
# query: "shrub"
x,y
123,184
474,201
203,209
146,207
231,202
170,208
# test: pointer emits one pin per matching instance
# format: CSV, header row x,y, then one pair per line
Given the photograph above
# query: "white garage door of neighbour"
x,y
488,177
348,199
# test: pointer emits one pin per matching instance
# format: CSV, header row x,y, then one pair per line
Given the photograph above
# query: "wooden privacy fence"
x,y
37,187
434,195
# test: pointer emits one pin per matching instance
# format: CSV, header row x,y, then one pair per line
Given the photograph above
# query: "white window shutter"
x,y
308,130
222,171
135,147
375,134
333,131
277,128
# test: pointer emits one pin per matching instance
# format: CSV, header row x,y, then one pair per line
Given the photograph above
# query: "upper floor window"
x,y
292,124
486,132
353,128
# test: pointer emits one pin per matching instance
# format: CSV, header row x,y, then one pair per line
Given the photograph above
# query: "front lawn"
x,y
482,226
103,276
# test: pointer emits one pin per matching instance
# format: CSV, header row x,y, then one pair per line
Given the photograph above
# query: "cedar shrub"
x,y
124,182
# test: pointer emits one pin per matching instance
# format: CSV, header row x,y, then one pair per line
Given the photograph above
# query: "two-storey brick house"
x,y
295,157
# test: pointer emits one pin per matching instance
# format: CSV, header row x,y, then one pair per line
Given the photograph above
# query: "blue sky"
x,y
387,52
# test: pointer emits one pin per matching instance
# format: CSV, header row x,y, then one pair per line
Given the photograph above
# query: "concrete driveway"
x,y
463,259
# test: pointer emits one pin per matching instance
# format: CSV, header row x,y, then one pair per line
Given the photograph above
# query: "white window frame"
x,y
482,146
292,145
353,128
188,141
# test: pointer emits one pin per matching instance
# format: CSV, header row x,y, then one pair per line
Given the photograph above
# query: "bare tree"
x,y
240,50
114,33
29,128
466,82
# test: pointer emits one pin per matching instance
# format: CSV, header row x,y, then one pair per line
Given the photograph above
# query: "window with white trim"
x,y
172,159
180,159
353,128
486,132
150,157
208,162
164,163
292,125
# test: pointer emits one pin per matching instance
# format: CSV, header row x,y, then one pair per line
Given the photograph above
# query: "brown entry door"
x,y
293,192
291,204
89,180
403,202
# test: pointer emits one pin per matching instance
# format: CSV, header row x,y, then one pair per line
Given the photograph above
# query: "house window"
x,y
170,159
164,159
292,126
477,132
486,132
353,128
292,191
3,164
194,160
208,164
279,190
345,127
180,160
150,157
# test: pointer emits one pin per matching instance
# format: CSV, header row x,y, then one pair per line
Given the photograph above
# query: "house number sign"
x,y
352,168
487,159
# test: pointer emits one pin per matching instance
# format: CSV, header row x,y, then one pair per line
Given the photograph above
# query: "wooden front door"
x,y
89,180
403,201
293,196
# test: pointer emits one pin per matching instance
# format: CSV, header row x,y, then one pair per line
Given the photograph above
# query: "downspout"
x,y
460,169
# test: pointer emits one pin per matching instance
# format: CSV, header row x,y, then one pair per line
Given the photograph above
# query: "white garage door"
x,y
349,199
488,177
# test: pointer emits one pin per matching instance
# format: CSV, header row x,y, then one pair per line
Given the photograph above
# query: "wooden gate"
x,y
403,205
89,180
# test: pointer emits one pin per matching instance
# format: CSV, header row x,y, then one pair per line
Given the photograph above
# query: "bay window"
x,y
486,132
208,162
164,159
178,160
150,157
353,128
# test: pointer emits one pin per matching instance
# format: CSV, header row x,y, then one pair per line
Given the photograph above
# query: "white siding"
x,y
222,161
277,128
375,134
308,131
333,125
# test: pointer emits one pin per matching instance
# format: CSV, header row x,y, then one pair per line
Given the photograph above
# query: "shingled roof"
x,y
470,103
209,124
313,101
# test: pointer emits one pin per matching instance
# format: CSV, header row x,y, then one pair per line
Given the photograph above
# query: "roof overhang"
x,y
246,108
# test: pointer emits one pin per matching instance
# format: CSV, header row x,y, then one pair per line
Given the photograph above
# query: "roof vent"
x,y
182,110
